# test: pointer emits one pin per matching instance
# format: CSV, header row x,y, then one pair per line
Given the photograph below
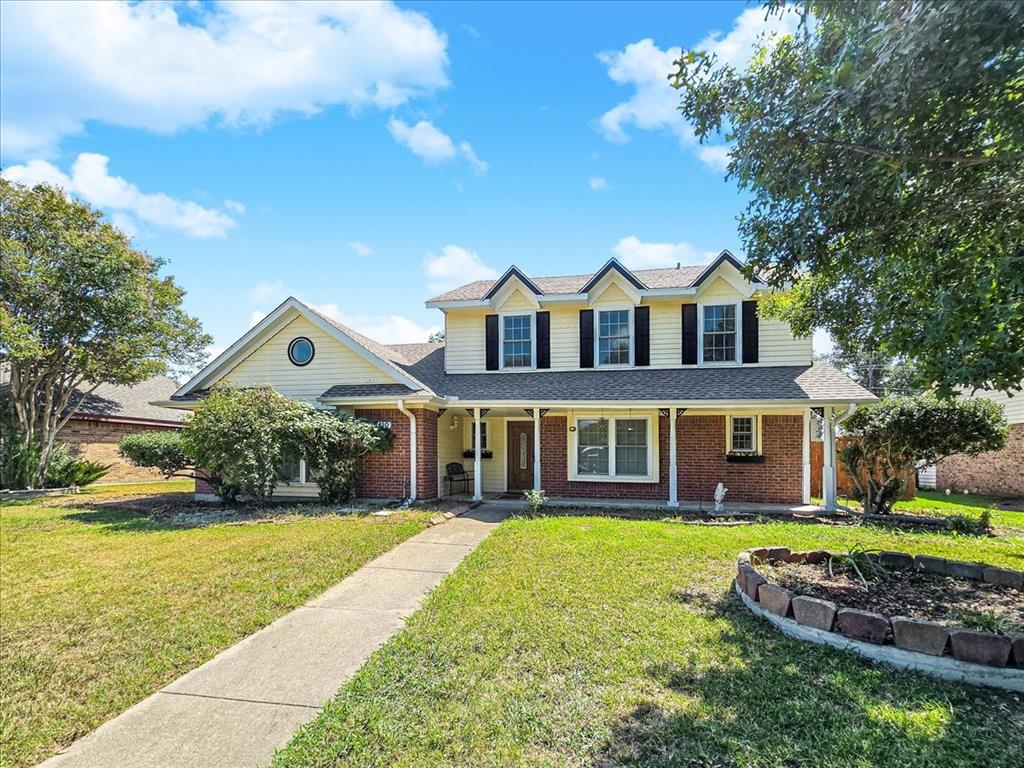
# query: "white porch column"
x,y
805,487
536,449
673,469
477,469
828,470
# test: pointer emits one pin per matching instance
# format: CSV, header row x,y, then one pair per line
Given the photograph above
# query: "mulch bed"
x,y
917,594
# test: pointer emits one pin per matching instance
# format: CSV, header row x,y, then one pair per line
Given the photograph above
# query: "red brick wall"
x,y
996,472
702,464
97,441
387,474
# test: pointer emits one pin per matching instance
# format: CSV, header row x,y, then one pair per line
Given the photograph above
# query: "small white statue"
x,y
720,492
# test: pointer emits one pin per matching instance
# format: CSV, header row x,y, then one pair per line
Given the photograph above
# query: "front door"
x,y
520,455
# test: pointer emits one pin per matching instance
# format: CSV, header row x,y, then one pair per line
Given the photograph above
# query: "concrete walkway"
x,y
245,703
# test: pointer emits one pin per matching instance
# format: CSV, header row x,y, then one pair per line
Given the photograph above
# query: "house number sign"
x,y
384,423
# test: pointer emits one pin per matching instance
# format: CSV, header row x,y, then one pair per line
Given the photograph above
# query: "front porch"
x,y
644,457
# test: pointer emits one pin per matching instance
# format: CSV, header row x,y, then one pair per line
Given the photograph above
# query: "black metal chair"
x,y
456,473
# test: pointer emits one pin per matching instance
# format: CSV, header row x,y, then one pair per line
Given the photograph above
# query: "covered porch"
x,y
668,456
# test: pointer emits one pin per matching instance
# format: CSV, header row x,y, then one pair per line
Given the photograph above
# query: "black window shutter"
x,y
491,328
543,339
749,331
689,334
642,335
586,338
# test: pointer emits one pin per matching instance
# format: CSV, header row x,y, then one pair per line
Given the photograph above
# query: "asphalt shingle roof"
x,y
682,277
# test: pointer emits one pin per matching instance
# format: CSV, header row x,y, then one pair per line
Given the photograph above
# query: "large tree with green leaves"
x,y
883,147
79,307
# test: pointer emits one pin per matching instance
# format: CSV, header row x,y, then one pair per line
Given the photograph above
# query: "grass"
x,y
588,641
103,604
939,504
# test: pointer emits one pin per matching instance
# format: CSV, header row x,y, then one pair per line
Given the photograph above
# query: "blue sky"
x,y
365,157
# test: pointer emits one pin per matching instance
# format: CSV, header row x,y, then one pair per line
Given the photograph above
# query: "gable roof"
x,y
511,272
375,353
681,277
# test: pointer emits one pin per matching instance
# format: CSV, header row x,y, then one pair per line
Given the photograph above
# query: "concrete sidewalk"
x,y
245,703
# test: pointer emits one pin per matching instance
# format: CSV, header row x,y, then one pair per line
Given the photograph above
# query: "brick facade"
x,y
97,440
702,463
996,472
387,474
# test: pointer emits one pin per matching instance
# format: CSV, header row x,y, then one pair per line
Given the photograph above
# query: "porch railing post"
x,y
673,469
477,468
536,449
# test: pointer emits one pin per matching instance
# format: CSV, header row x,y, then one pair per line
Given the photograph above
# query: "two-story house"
x,y
653,385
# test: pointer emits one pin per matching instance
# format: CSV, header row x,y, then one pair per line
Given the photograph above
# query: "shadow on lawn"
x,y
776,701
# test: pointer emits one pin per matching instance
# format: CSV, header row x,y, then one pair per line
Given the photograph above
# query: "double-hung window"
x,y
613,447
614,340
719,333
483,436
743,434
296,468
517,341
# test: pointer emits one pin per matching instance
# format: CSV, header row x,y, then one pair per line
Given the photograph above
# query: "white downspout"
x,y
412,450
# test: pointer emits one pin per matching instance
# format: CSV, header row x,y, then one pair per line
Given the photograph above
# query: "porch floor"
x,y
516,501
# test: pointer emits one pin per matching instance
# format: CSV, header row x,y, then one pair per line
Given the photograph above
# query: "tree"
x,y
876,372
333,445
889,438
242,436
79,307
883,147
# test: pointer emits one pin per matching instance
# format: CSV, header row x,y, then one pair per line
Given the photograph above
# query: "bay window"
x,y
610,447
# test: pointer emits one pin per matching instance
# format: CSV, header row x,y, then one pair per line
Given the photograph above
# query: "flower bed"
x,y
894,607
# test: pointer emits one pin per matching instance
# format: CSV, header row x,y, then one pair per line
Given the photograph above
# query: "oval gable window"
x,y
301,351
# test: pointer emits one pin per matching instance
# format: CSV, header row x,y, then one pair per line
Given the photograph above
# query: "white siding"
x,y
465,343
516,302
333,363
1013,407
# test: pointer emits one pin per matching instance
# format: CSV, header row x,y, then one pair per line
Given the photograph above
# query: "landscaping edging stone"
x,y
950,653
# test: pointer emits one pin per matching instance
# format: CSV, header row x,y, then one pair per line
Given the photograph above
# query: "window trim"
x,y
312,351
597,335
533,341
653,446
738,360
303,479
485,437
756,425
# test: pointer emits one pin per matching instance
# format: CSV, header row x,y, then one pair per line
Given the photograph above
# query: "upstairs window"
x,y
719,333
301,351
614,340
517,341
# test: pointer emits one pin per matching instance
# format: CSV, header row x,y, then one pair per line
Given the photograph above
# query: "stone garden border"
x,y
955,654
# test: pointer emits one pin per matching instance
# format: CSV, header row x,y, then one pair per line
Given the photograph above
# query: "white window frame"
x,y
756,422
303,480
652,448
739,333
533,341
484,435
597,336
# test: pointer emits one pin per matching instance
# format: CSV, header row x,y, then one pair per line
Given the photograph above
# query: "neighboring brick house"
x,y
110,413
655,384
994,472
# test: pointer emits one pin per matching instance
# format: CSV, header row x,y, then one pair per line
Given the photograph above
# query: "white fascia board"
x,y
387,402
233,354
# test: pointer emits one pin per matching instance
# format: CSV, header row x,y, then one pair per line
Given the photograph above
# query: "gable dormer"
x,y
615,283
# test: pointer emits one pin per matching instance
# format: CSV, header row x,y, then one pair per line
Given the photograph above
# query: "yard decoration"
x,y
79,307
888,438
883,150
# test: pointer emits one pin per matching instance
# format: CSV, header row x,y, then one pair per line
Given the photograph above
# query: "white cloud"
x,y
255,317
434,146
215,350
266,292
714,156
599,183
455,266
91,181
235,207
142,65
636,254
646,68
362,249
387,329
821,343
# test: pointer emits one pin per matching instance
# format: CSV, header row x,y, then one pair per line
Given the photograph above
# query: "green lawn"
x,y
597,642
102,606
938,503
